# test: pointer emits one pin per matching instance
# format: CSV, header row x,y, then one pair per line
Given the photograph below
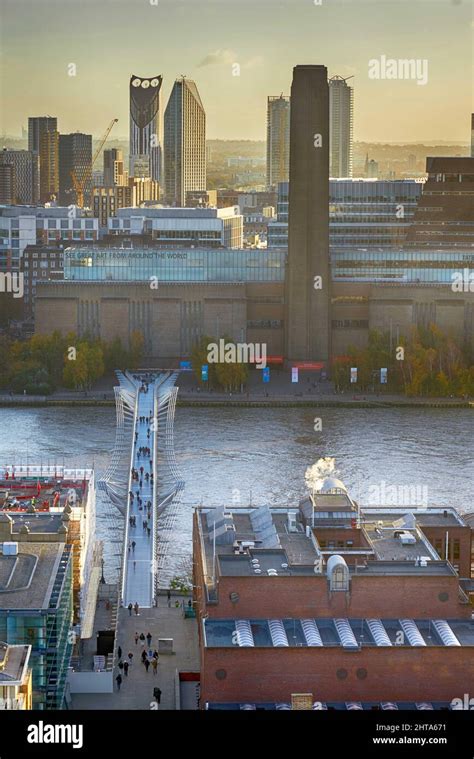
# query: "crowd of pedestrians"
x,y
149,658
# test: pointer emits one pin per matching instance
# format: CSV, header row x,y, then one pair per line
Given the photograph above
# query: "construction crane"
x,y
79,184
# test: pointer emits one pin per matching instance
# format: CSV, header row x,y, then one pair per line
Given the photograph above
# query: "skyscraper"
x,y
49,163
146,128
113,168
25,165
307,281
472,135
185,142
7,185
341,108
278,140
75,155
37,127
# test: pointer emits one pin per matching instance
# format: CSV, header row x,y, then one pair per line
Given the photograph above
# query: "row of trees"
x,y
426,363
45,362
230,376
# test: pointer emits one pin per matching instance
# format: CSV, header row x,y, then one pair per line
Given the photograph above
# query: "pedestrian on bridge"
x,y
133,546
130,607
148,639
154,664
136,607
157,695
147,664
125,668
130,658
119,680
136,638
119,652
148,531
142,641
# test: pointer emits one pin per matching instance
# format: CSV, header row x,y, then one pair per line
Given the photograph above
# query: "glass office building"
x,y
361,212
183,265
409,266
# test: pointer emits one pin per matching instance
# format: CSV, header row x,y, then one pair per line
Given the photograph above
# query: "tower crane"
x,y
79,184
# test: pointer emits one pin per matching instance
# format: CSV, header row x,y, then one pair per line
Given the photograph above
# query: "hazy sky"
x,y
108,40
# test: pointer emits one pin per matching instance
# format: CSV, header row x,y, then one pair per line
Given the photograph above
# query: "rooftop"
x,y
262,541
43,489
27,579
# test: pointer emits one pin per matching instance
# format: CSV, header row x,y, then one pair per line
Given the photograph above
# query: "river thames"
x,y
242,455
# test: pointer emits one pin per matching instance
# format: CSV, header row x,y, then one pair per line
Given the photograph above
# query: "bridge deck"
x,y
139,565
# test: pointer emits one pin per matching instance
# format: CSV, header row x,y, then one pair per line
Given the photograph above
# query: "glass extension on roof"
x,y
174,265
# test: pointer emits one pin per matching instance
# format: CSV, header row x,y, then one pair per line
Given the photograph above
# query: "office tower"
x,y
7,184
341,107
107,200
146,130
307,281
25,165
472,135
113,167
75,156
185,142
49,166
143,190
37,126
278,140
444,218
372,169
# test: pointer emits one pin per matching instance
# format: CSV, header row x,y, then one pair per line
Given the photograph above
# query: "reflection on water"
x,y
261,455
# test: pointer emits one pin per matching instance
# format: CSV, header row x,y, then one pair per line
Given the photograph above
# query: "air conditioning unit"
x,y
10,548
292,522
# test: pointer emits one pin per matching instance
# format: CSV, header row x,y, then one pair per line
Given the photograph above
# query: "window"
x,y
339,578
456,549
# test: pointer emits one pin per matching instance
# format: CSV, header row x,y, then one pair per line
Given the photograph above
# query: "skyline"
x,y
343,36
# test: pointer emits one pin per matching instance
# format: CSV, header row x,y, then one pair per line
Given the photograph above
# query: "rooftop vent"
x,y
10,548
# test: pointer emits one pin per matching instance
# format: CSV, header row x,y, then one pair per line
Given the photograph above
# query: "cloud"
x,y
252,62
218,57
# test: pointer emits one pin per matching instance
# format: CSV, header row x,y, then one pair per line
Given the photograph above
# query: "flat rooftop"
x,y
255,541
42,488
26,580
